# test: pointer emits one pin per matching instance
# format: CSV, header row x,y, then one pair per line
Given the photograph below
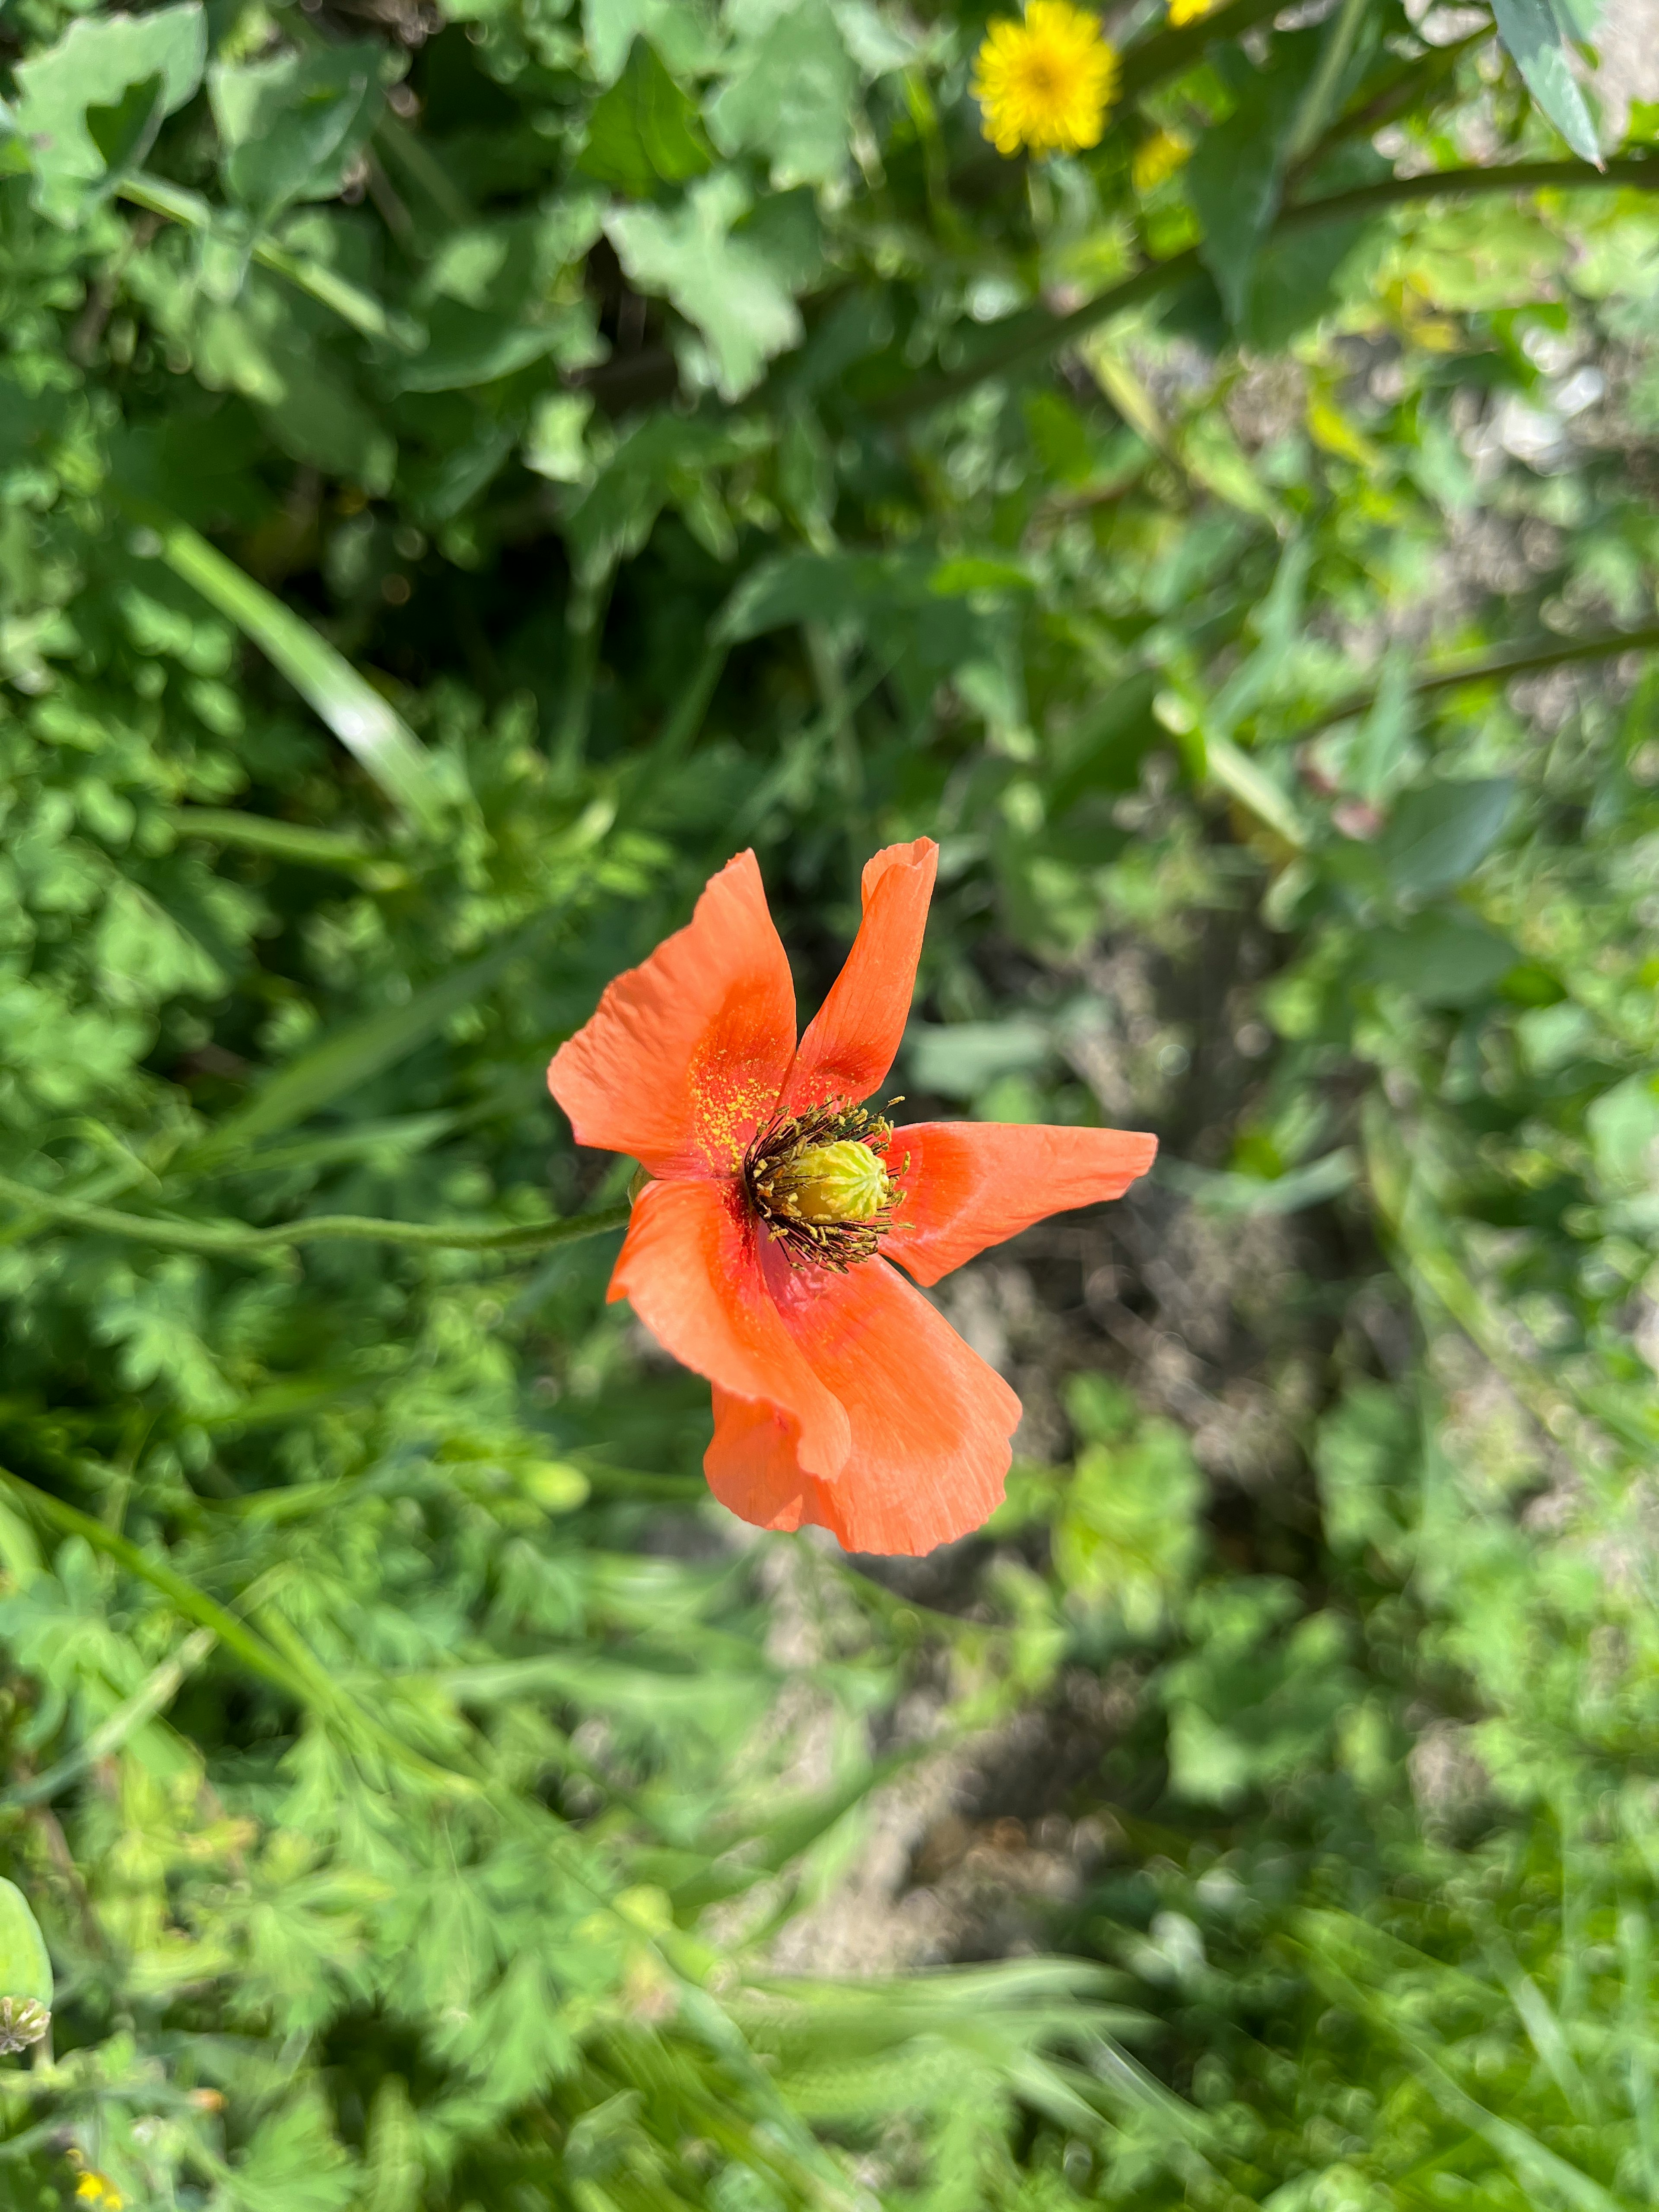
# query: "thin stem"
x,y
156,1691
584,628
1310,126
360,309
1040,332
212,1237
1494,667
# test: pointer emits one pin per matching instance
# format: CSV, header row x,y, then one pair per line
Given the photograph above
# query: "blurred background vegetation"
x,y
463,472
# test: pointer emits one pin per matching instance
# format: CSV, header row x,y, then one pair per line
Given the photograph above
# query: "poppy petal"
x,y
689,1269
930,1421
971,1184
752,1468
681,1062
848,1048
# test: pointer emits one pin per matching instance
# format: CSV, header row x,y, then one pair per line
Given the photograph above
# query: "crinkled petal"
x,y
691,1269
971,1184
683,1060
752,1468
848,1049
930,1422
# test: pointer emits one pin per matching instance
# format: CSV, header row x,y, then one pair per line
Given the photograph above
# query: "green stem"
x,y
360,309
231,1238
584,627
1310,126
1041,332
1496,667
1171,51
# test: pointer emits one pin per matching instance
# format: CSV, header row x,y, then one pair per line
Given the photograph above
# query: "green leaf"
x,y
790,95
723,287
1439,834
1536,36
1236,174
645,130
124,131
291,128
1446,959
128,71
25,1968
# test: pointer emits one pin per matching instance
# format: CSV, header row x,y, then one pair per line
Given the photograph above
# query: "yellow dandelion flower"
x,y
1189,11
1046,83
1157,158
97,2189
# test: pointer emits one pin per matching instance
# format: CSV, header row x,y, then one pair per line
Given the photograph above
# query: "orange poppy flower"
x,y
758,1254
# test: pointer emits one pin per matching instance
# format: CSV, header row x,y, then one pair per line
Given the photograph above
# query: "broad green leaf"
x,y
25,1968
1236,174
1446,959
1536,36
88,107
291,128
789,94
960,1059
1439,834
644,132
723,287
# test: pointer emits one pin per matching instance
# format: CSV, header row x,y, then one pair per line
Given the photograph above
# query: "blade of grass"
x,y
354,1055
362,720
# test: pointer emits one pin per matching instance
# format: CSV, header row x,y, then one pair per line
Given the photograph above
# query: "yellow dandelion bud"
x,y
1157,158
1189,11
98,2189
1046,83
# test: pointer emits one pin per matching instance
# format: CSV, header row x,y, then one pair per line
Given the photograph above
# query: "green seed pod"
x,y
25,1973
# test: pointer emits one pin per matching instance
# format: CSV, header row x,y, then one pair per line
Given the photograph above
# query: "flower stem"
x,y
1494,667
230,1238
1036,332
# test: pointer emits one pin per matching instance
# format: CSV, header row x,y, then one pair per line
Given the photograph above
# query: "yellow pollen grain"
x,y
1045,83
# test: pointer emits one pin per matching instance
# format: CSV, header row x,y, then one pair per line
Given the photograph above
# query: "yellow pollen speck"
x,y
1046,83
843,1181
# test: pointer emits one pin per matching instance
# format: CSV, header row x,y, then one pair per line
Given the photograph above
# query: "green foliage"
x,y
461,480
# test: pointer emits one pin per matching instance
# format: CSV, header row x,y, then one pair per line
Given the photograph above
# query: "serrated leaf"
x,y
722,285
644,132
790,95
102,65
291,128
1536,37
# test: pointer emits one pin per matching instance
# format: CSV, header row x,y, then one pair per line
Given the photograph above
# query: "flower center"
x,y
842,1182
820,1182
